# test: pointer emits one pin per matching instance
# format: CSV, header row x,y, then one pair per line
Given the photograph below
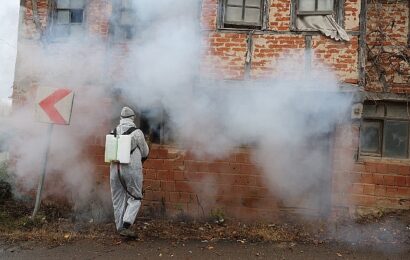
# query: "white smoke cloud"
x,y
284,118
288,119
9,13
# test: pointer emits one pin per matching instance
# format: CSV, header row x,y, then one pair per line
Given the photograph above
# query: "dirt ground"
x,y
160,249
56,234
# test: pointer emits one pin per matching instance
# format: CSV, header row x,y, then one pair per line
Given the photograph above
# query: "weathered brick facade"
x,y
175,180
388,43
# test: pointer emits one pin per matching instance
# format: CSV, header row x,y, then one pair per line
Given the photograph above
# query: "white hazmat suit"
x,y
125,206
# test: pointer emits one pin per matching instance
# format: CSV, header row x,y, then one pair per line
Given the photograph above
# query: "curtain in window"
x,y
326,24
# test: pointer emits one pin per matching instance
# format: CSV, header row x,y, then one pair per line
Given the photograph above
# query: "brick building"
x,y
366,43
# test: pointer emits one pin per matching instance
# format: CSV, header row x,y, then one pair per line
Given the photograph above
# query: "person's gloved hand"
x,y
148,140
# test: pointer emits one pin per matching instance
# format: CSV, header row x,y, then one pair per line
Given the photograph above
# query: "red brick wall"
x,y
30,30
225,51
352,12
269,50
279,15
197,187
223,55
340,57
209,13
381,184
97,17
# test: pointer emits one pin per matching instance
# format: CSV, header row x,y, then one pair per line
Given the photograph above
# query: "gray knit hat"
x,y
127,112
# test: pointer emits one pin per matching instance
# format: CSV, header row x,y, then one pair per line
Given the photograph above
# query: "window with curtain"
x,y
311,7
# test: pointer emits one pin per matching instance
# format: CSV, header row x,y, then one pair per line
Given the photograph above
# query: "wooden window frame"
x,y
262,25
382,140
338,13
316,12
53,15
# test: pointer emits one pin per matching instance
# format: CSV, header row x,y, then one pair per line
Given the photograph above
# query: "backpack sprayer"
x,y
118,151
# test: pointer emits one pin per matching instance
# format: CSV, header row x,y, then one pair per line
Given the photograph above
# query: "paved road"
x,y
201,250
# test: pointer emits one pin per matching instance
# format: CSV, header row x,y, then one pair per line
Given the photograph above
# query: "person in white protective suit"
x,y
126,179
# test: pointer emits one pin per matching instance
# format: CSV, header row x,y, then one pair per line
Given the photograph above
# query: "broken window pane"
x,y
253,3
306,5
77,4
370,134
63,4
396,138
233,14
252,15
63,17
324,5
77,16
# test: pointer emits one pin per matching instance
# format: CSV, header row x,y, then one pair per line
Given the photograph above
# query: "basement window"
x,y
124,20
246,14
385,130
68,17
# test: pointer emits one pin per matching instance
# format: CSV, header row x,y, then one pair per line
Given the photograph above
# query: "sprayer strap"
x,y
128,132
124,185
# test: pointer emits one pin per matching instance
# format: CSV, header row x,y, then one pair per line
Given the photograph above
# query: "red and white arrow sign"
x,y
54,105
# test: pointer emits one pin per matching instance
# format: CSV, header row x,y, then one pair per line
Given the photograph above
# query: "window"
x,y
242,13
312,7
154,123
385,130
123,20
325,16
68,17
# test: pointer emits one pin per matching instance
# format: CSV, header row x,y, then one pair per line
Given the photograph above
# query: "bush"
x,y
5,180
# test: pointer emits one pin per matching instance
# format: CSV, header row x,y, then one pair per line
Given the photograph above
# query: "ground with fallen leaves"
x,y
55,228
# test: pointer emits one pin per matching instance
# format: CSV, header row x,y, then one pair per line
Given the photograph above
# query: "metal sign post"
x,y
43,174
54,106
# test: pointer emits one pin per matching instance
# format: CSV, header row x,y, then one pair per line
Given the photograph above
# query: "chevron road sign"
x,y
54,106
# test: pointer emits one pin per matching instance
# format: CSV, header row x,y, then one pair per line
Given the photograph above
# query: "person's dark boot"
x,y
126,225
126,231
